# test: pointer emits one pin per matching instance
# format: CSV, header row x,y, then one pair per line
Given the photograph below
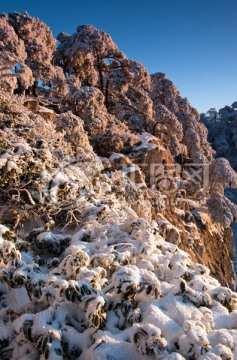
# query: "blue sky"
x,y
193,41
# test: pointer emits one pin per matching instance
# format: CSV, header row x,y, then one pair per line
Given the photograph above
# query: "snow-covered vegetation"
x,y
113,246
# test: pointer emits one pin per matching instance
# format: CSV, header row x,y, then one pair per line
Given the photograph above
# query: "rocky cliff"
x,y
116,234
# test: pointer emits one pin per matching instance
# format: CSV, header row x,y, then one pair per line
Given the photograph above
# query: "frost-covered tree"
x,y
13,70
27,47
87,55
91,56
39,43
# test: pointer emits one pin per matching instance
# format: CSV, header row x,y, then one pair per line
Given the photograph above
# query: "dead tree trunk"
x,y
107,94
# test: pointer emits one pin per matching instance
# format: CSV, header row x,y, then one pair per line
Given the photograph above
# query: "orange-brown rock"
x,y
32,104
157,163
46,114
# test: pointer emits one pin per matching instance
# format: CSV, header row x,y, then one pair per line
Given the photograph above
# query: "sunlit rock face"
x,y
115,234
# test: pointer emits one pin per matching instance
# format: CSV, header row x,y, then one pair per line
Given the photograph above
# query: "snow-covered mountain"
x,y
115,233
222,131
